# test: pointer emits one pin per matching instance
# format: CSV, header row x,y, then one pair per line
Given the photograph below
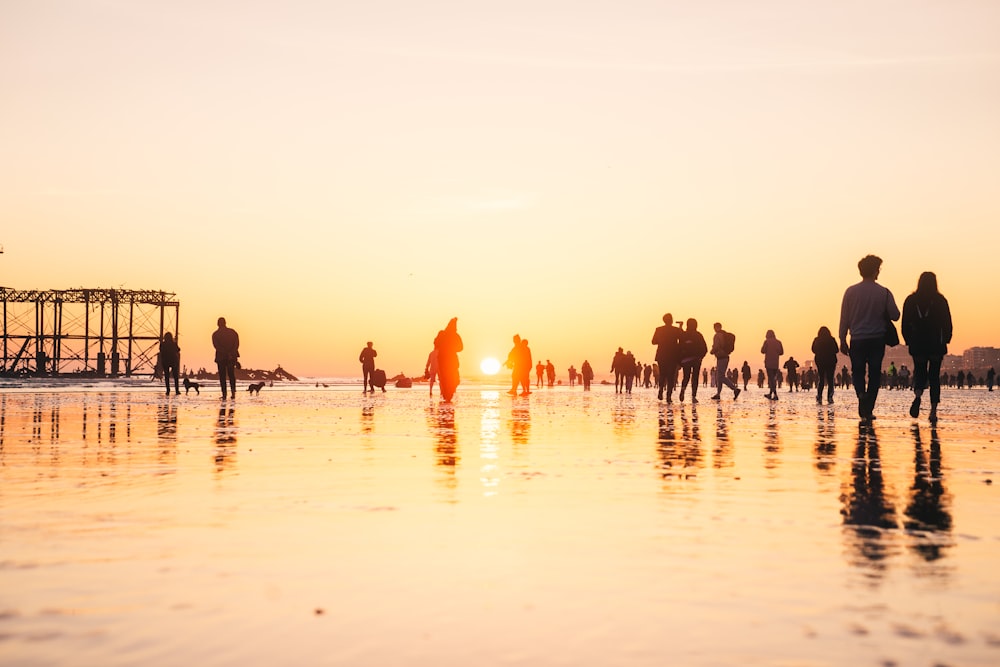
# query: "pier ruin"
x,y
90,332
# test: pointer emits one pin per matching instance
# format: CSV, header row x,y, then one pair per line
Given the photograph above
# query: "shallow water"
x,y
318,526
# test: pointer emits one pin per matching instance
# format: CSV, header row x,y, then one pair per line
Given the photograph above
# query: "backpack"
x,y
728,343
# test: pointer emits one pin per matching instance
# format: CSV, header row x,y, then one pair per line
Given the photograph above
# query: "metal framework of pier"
x,y
99,332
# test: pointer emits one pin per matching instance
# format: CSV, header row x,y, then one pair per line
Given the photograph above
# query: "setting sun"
x,y
489,366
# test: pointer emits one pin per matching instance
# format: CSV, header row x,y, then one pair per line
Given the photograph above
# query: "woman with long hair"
x,y
825,350
926,328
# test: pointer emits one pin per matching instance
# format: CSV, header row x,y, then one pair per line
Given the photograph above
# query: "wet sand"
x,y
312,526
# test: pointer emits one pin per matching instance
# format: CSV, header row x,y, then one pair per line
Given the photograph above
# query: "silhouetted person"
x,y
618,367
864,312
926,328
448,344
760,378
512,364
792,368
991,376
227,354
367,359
667,341
772,350
722,347
628,371
170,362
550,372
431,369
746,372
524,366
824,349
586,374
693,349
572,375
539,374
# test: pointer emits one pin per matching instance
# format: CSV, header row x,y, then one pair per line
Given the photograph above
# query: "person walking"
x,y
666,338
791,373
723,344
824,349
170,361
927,329
367,359
772,351
524,366
448,344
227,354
586,374
693,349
866,313
617,367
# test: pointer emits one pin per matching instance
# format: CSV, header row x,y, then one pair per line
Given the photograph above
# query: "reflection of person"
x,y
867,506
824,349
448,344
864,312
170,360
367,359
772,351
227,353
431,369
927,511
926,328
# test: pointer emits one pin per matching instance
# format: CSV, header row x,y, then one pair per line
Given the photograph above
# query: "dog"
x,y
255,388
188,386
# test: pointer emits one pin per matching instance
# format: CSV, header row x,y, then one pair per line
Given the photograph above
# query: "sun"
x,y
489,366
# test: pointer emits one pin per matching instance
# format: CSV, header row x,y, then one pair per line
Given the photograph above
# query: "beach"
x,y
312,525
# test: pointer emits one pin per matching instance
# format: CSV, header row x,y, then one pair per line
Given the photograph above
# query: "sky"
x,y
323,174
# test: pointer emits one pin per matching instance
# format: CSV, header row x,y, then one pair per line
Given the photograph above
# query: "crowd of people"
x,y
867,325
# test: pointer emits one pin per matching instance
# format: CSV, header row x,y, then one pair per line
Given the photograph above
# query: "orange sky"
x,y
327,174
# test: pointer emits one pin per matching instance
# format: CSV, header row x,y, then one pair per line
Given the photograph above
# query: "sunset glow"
x,y
489,366
322,177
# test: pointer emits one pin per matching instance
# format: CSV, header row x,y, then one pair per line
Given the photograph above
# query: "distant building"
x,y
952,363
981,358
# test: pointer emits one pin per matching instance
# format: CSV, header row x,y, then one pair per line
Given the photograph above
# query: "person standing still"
x,y
927,330
227,353
721,349
448,344
170,361
367,359
431,369
865,311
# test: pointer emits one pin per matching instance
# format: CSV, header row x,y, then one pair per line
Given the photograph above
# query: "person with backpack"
x,y
723,344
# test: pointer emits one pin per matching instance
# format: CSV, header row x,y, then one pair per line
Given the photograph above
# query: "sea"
x,y
314,524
